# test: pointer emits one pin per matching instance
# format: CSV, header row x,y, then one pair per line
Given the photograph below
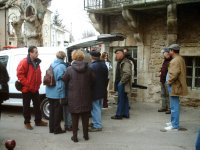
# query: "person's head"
x,y
174,49
95,55
104,56
33,52
61,55
119,54
78,55
165,52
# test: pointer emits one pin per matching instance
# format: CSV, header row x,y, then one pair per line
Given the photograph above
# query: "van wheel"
x,y
44,106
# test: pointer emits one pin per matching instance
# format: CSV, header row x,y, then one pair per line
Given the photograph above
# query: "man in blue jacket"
x,y
101,75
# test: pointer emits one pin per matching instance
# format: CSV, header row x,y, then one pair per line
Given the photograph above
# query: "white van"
x,y
11,58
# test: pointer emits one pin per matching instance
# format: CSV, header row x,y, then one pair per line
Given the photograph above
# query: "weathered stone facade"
x,y
151,30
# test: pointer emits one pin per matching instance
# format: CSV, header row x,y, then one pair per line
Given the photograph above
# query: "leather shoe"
x,y
68,129
168,112
86,138
161,110
59,132
28,126
116,117
41,123
92,129
126,116
74,139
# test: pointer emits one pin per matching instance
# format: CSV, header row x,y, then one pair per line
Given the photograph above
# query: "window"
x,y
193,71
4,60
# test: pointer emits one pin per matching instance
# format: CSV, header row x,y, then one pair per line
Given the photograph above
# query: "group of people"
x,y
80,90
173,85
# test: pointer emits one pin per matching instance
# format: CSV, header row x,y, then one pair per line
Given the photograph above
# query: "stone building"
x,y
151,25
52,35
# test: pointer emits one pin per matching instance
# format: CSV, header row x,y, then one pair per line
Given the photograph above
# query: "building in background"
x,y
151,25
52,35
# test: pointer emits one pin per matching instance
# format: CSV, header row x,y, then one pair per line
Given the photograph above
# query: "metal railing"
x,y
99,4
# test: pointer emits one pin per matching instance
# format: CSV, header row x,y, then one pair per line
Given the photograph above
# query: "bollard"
x,y
10,144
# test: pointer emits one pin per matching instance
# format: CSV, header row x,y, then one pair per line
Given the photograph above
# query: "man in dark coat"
x,y
101,76
163,73
4,90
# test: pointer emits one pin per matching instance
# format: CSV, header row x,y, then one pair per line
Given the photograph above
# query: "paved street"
x,y
140,132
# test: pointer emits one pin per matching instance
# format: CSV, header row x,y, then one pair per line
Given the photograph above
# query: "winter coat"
x,y
29,75
4,78
164,70
101,76
126,74
79,79
57,91
177,76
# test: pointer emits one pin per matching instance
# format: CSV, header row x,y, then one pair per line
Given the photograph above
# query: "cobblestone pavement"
x,y
140,132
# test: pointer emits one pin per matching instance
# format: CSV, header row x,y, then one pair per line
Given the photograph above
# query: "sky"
x,y
74,17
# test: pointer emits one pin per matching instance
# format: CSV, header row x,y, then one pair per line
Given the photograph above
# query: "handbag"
x,y
64,101
18,85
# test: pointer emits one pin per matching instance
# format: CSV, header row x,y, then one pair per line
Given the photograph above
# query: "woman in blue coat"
x,y
56,93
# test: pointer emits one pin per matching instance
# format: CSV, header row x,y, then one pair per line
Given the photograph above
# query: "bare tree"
x,y
87,33
32,15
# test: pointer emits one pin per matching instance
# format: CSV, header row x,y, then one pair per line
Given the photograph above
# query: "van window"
x,y
4,60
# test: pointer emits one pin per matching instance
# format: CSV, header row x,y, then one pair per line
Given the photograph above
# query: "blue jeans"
x,y
67,117
96,113
123,103
198,141
175,109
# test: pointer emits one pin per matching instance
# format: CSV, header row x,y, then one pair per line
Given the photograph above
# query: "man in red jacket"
x,y
29,74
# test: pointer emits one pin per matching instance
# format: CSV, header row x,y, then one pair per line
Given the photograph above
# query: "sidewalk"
x,y
140,132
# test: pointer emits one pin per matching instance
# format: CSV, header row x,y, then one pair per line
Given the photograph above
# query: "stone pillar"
x,y
171,24
97,21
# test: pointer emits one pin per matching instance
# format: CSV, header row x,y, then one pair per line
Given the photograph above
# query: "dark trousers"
x,y
85,122
105,99
27,97
55,117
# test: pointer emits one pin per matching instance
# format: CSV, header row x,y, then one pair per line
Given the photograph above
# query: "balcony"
x,y
100,4
113,6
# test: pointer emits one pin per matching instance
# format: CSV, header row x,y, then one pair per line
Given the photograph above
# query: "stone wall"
x,y
153,28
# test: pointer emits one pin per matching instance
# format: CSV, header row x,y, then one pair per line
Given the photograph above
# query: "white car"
x,y
11,58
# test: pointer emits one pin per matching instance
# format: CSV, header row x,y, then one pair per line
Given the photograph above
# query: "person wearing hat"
x,y
163,73
99,90
123,82
177,86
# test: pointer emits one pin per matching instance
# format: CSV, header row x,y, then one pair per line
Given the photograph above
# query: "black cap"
x,y
95,53
119,50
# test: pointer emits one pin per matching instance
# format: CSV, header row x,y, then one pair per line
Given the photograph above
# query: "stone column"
x,y
171,24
